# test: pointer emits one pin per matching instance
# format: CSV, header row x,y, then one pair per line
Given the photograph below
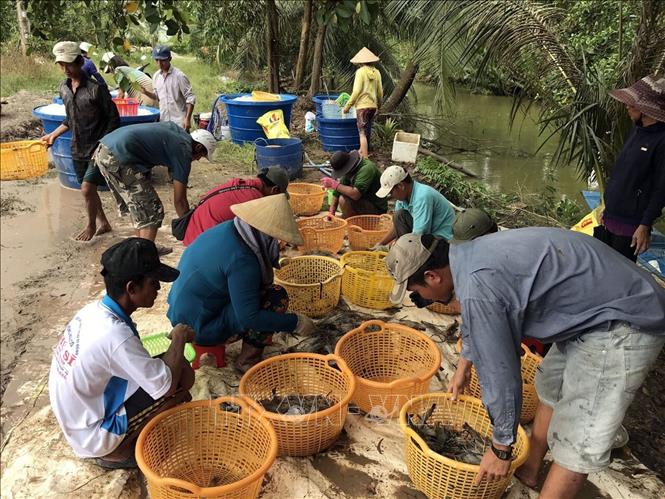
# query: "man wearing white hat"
x,y
89,66
420,209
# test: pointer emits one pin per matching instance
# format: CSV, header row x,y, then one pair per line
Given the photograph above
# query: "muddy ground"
x,y
47,278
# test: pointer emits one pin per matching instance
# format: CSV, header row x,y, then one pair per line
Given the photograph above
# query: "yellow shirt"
x,y
367,89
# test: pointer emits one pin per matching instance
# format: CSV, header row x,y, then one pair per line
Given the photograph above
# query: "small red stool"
x,y
219,351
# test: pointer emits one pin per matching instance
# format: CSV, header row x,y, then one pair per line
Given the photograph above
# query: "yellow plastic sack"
x,y
590,221
264,96
273,125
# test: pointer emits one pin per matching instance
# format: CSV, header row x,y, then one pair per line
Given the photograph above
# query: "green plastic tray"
x,y
157,344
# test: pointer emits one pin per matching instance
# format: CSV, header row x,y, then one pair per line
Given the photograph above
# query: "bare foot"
x,y
86,234
526,478
164,250
103,229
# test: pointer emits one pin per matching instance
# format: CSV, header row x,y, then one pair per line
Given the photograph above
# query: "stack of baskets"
x,y
322,233
365,231
366,281
306,199
313,283
439,476
22,159
392,363
208,448
303,374
530,362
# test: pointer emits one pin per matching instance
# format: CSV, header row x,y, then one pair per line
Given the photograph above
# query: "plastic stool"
x,y
219,351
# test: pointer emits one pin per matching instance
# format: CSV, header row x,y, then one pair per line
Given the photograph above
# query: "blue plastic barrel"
x,y
288,155
338,134
62,146
242,115
319,99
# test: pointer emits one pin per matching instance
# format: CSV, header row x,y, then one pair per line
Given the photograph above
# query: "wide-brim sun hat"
x,y
343,162
646,95
271,215
365,56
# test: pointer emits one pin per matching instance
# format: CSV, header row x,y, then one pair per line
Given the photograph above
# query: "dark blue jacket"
x,y
635,192
219,288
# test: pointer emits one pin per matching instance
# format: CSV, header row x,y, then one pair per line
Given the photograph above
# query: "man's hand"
x,y
305,326
491,467
330,183
183,330
186,124
47,139
641,239
461,378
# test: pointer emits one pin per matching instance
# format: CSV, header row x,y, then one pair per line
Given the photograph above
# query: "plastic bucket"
x,y
61,149
285,153
242,115
338,134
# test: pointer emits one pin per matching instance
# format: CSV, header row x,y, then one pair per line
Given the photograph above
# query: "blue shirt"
x,y
145,145
549,284
219,288
432,213
91,70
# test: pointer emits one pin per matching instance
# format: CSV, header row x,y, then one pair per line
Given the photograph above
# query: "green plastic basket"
x,y
157,344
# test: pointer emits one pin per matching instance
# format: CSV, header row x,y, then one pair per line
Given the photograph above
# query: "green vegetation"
x,y
28,73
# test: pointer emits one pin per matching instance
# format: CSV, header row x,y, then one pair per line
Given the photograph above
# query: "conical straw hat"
x,y
365,56
271,215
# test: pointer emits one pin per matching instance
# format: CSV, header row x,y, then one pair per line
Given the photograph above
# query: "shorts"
x,y
87,171
364,119
132,190
589,382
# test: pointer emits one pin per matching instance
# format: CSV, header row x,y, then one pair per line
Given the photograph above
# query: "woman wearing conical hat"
x,y
225,290
366,97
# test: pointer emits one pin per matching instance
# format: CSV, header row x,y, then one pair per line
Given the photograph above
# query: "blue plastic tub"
x,y
242,115
289,155
338,134
319,99
62,146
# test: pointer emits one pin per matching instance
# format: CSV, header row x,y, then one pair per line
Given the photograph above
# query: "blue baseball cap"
x,y
161,52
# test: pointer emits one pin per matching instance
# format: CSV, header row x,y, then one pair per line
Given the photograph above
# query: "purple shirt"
x,y
619,228
91,70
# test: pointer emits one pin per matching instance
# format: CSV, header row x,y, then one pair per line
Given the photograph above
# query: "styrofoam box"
x,y
405,147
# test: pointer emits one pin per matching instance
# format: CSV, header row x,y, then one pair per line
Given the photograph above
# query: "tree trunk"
x,y
23,26
317,61
272,42
402,87
447,162
304,44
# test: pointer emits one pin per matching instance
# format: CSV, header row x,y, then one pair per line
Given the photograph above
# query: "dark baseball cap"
x,y
277,176
135,257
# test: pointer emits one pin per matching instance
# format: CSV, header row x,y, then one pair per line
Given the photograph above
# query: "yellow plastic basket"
x,y
198,449
258,95
313,283
322,233
306,199
22,159
303,374
364,231
366,281
392,363
529,366
441,477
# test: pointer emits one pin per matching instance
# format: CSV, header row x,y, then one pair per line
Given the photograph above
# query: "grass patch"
x,y
238,157
28,73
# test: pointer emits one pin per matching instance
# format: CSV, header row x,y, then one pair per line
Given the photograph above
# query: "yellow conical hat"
x,y
365,56
271,215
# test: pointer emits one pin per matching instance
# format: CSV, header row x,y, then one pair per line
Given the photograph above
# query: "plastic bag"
x,y
310,117
273,125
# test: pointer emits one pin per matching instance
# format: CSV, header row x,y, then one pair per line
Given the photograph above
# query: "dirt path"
x,y
13,122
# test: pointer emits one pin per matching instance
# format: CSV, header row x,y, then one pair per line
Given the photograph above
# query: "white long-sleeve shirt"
x,y
174,92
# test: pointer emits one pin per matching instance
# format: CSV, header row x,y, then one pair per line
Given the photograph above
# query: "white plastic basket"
x,y
405,147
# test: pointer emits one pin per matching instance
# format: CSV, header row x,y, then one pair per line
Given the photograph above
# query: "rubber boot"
x,y
249,356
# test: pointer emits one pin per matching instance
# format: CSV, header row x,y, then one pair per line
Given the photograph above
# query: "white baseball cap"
x,y
205,138
393,175
85,46
107,57
66,51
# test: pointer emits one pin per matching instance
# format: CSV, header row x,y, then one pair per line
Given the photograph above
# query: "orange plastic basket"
x,y
392,363
364,231
127,107
22,159
441,477
313,283
306,199
303,374
366,281
322,233
200,450
529,366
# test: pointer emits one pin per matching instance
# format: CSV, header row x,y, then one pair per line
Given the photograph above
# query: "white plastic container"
x,y
405,147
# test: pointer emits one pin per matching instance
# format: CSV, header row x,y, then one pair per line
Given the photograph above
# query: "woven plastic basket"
x,y
157,344
366,281
303,374
364,231
200,450
392,363
441,477
322,233
313,283
306,199
22,159
529,366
